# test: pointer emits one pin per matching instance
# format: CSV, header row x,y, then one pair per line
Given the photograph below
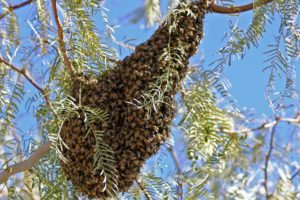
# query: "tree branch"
x,y
235,9
295,121
38,154
20,5
26,164
61,43
24,71
268,156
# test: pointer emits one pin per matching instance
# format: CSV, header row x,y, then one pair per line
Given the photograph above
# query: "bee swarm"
x,y
131,132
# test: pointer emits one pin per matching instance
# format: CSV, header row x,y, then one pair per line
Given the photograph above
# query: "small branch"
x,y
26,164
265,125
148,197
20,5
176,160
61,43
261,127
24,71
294,121
235,9
268,156
179,171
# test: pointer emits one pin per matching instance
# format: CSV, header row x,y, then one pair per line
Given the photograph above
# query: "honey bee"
x,y
132,135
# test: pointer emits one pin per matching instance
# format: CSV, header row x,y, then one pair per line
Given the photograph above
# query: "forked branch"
x,y
235,9
26,164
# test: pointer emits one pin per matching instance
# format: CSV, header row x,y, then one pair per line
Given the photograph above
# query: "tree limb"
x,y
60,35
14,7
26,164
235,9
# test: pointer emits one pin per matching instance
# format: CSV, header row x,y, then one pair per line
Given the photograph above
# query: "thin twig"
x,y
179,171
267,160
295,174
14,7
61,43
24,71
294,121
235,9
148,197
26,164
260,127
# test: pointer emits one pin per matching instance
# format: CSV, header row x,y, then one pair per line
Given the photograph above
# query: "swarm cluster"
x,y
133,133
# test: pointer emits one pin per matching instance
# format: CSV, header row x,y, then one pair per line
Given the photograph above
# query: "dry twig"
x,y
267,160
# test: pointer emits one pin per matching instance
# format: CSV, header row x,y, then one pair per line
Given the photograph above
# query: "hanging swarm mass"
x,y
134,133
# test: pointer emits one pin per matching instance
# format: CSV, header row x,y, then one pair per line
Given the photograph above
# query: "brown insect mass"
x,y
132,133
